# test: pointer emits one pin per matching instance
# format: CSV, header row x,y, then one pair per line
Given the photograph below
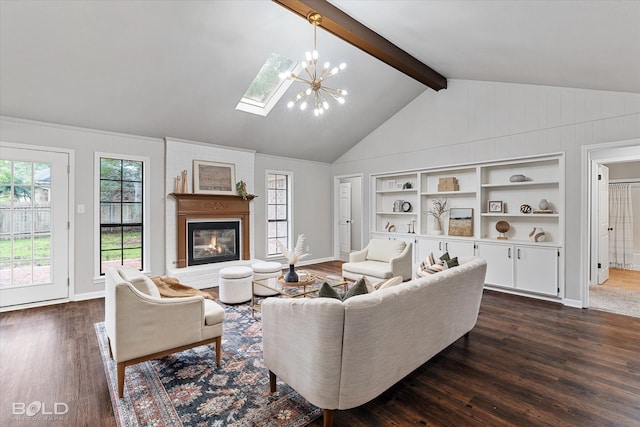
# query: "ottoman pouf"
x,y
265,270
235,284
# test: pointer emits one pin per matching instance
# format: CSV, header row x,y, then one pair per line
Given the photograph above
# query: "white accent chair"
x,y
141,325
382,259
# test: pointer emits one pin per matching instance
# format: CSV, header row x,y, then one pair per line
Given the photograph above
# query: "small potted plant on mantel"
x,y
437,211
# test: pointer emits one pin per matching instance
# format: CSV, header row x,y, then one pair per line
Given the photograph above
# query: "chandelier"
x,y
316,78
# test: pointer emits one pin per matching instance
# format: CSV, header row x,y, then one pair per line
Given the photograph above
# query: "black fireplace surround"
x,y
213,241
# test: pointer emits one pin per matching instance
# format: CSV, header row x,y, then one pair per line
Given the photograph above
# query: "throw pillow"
x,y
358,289
367,282
453,262
445,257
327,291
389,283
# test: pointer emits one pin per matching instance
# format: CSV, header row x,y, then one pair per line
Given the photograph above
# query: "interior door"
x,y
603,224
34,218
344,221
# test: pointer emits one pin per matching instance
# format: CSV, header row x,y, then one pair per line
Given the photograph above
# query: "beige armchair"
x,y
382,259
142,326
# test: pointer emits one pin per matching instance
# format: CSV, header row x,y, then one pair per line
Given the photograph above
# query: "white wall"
x,y
312,195
85,143
474,121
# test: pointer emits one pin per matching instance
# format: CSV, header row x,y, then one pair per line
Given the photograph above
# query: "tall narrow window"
x,y
278,211
121,213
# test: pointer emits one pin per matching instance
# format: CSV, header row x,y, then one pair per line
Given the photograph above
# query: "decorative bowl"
x,y
517,178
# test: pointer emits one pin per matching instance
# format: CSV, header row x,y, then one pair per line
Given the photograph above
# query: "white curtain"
x,y
621,220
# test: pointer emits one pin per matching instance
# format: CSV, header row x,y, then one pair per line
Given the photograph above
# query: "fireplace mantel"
x,y
194,207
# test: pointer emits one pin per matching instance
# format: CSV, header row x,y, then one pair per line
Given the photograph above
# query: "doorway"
x,y
615,289
34,226
348,229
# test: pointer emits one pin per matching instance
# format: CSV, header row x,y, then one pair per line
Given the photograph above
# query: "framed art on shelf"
x,y
214,177
461,222
495,206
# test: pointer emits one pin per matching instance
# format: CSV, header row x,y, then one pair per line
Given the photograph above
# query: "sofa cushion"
x,y
139,280
389,283
213,313
384,250
369,268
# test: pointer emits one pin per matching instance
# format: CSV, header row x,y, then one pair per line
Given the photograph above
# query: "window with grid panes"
x,y
121,213
278,211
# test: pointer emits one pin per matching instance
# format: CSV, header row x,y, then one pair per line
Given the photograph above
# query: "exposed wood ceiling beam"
x,y
348,29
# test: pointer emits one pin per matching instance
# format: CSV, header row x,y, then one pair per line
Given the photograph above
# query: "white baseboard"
x,y
33,305
575,303
88,296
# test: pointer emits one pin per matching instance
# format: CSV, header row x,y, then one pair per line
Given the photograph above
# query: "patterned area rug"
x,y
614,300
188,389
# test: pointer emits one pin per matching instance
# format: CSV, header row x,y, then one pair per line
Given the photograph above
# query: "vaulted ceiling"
x,y
178,68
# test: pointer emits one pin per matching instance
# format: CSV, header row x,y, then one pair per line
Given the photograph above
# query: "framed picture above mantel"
x,y
214,177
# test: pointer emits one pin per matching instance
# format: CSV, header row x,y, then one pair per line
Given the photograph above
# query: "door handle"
x,y
509,253
518,253
446,246
439,246
610,229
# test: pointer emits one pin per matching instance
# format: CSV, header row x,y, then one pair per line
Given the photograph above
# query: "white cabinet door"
x,y
537,269
427,246
499,263
459,249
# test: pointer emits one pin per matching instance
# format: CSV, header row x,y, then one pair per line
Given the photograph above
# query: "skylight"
x,y
267,87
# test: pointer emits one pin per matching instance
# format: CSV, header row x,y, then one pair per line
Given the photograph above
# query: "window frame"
x,y
146,161
289,176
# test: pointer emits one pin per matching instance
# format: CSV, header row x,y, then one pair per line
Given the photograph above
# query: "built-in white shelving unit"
x,y
515,264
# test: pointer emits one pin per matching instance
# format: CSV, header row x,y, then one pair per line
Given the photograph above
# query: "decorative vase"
x,y
291,275
543,205
437,226
537,234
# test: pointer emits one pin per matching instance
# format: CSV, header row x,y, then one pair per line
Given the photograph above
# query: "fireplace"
x,y
213,241
193,210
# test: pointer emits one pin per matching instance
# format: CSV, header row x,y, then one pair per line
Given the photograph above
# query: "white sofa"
x,y
339,355
382,259
142,326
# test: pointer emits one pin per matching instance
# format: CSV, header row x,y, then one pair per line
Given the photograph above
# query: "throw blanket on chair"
x,y
170,287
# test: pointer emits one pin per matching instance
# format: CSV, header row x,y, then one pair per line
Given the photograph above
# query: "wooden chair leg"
x,y
327,418
272,382
120,370
218,350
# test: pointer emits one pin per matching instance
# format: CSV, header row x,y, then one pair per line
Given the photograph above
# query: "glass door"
x,y
34,232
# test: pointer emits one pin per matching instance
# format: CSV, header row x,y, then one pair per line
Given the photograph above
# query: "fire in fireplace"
x,y
213,241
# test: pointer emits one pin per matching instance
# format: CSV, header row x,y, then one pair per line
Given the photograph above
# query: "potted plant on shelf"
x,y
293,257
437,211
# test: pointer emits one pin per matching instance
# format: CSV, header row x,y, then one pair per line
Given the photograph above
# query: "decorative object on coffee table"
x,y
502,227
293,257
437,211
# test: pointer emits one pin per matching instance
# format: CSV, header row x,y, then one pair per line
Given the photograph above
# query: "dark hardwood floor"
x,y
526,363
